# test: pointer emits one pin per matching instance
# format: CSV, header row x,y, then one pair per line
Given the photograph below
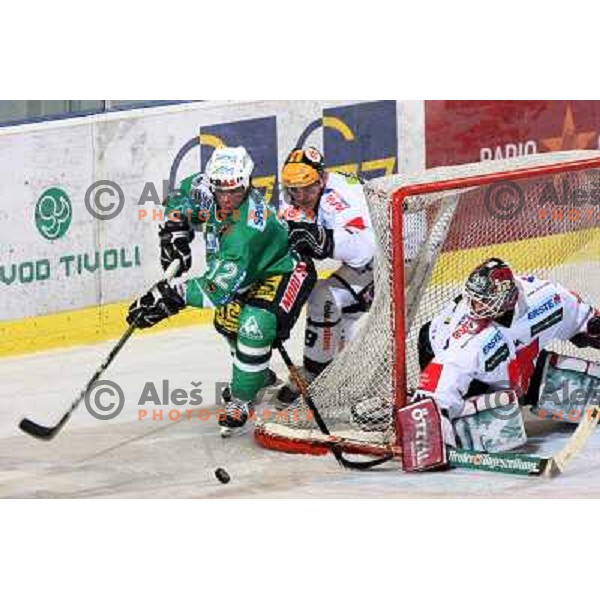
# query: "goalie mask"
x,y
229,169
491,290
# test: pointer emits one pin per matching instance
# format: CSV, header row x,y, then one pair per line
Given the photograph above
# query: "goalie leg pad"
x,y
567,385
491,423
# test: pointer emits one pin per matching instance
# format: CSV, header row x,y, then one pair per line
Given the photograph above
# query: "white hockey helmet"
x,y
229,168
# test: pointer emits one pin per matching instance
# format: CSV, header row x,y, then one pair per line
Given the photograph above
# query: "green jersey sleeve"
x,y
224,276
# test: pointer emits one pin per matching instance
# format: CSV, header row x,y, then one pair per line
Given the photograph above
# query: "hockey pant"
x,y
334,307
256,319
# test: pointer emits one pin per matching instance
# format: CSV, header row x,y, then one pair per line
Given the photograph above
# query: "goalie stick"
x,y
42,432
300,383
527,464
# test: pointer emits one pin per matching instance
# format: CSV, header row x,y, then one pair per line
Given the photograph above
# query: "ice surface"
x,y
129,458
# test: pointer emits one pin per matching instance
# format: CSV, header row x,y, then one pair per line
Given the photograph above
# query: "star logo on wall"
x,y
570,139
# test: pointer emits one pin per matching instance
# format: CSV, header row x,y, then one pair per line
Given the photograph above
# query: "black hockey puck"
x,y
222,475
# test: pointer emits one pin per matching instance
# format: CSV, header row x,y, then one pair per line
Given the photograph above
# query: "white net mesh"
x,y
550,226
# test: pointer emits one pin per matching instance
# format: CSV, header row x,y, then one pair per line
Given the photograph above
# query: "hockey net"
x,y
541,213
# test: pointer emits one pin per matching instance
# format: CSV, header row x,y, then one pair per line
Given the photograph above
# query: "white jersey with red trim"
x,y
498,355
343,209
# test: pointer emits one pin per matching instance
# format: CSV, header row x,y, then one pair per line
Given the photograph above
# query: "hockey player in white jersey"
x,y
492,337
331,222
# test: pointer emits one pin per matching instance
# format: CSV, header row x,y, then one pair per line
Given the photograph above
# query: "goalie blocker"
x,y
420,431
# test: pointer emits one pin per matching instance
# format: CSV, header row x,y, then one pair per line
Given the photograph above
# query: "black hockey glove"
x,y
590,339
160,302
310,239
175,238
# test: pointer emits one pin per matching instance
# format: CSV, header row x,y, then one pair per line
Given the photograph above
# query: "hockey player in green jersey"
x,y
252,279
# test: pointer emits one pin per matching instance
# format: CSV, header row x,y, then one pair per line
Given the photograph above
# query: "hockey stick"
x,y
41,432
300,383
576,442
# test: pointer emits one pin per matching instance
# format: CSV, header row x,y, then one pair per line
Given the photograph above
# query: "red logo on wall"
x,y
462,131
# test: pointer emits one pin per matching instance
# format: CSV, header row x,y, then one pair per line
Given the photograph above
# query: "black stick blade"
x,y
38,431
359,465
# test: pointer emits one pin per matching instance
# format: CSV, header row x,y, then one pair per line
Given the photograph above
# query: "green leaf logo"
x,y
53,213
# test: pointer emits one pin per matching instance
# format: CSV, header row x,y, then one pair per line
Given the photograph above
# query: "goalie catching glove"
x,y
175,238
591,338
311,239
161,302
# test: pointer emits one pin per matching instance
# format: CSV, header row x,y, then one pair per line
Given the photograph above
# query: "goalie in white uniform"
x,y
331,221
492,337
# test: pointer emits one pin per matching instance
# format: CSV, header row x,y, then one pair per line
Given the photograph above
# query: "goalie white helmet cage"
x,y
491,289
